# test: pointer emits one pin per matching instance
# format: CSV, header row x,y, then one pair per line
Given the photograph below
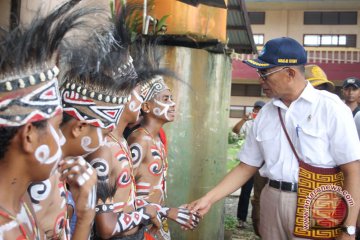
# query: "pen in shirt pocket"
x,y
298,129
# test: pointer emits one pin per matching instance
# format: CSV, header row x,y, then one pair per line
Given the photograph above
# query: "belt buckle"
x,y
280,185
293,188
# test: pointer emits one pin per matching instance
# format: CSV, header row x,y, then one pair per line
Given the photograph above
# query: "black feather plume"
x,y
104,63
147,56
23,51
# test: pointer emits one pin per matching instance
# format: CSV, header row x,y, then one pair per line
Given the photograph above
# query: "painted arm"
x,y
231,182
109,224
186,218
82,180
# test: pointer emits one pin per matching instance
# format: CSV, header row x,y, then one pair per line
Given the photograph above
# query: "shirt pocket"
x,y
314,144
268,140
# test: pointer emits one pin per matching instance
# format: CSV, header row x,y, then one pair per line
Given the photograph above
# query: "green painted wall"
x,y
198,137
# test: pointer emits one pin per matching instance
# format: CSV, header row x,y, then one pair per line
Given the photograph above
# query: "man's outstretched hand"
x,y
202,205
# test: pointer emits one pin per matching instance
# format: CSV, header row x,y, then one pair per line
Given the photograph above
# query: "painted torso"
x,y
23,228
113,163
124,199
150,164
49,203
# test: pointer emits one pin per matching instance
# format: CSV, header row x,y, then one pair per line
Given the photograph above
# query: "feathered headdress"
x,y
28,85
147,56
100,76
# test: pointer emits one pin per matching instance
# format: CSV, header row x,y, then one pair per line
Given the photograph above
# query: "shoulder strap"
x,y
287,136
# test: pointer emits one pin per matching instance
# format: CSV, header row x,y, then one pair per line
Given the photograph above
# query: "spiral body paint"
x,y
136,154
42,153
102,168
86,141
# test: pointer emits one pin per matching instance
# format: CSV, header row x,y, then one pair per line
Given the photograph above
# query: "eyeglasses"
x,y
265,75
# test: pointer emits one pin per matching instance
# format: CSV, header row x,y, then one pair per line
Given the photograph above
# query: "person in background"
x,y
317,77
351,92
244,125
242,128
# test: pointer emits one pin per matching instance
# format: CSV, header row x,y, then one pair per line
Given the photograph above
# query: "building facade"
x,y
328,29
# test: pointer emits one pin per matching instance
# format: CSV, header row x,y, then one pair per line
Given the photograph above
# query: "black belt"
x,y
284,186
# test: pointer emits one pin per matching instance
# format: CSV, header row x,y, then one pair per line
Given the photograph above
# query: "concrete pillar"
x,y
198,137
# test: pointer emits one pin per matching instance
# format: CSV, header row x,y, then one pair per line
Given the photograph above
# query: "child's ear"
x,y
145,106
29,136
78,128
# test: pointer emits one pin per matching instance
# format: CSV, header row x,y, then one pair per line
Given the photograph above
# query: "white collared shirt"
x,y
245,129
357,123
320,126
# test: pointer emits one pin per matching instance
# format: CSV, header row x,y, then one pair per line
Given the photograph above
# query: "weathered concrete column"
x,y
198,137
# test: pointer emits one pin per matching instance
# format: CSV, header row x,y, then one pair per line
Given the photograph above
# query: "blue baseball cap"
x,y
259,104
276,52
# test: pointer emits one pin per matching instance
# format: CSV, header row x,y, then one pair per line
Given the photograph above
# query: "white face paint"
x,y
42,153
86,142
166,106
132,104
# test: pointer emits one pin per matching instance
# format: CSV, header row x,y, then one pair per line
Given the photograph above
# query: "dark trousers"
x,y
244,199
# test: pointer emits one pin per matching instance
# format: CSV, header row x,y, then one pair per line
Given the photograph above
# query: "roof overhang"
x,y
239,33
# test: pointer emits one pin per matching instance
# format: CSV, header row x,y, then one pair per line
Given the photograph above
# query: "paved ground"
x,y
231,203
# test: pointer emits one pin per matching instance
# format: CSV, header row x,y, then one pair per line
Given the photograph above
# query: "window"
x,y
257,17
251,90
237,111
259,39
329,40
330,18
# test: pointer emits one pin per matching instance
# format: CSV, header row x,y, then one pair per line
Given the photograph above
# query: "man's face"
x,y
351,93
49,152
163,106
256,109
274,82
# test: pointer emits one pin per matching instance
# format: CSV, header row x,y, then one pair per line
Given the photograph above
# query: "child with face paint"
x,y
147,149
93,97
30,116
116,213
118,217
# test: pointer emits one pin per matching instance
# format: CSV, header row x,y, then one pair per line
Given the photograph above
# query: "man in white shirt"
x,y
319,125
357,123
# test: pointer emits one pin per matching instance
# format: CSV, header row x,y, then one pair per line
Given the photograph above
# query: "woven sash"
x,y
321,209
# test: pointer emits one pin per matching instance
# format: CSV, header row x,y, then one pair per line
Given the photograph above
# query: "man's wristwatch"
x,y
350,230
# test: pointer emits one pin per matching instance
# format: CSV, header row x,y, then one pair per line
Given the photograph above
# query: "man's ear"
x,y
145,106
292,72
78,128
29,137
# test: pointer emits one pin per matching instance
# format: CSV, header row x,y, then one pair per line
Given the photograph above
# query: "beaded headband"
x,y
19,105
95,108
153,87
